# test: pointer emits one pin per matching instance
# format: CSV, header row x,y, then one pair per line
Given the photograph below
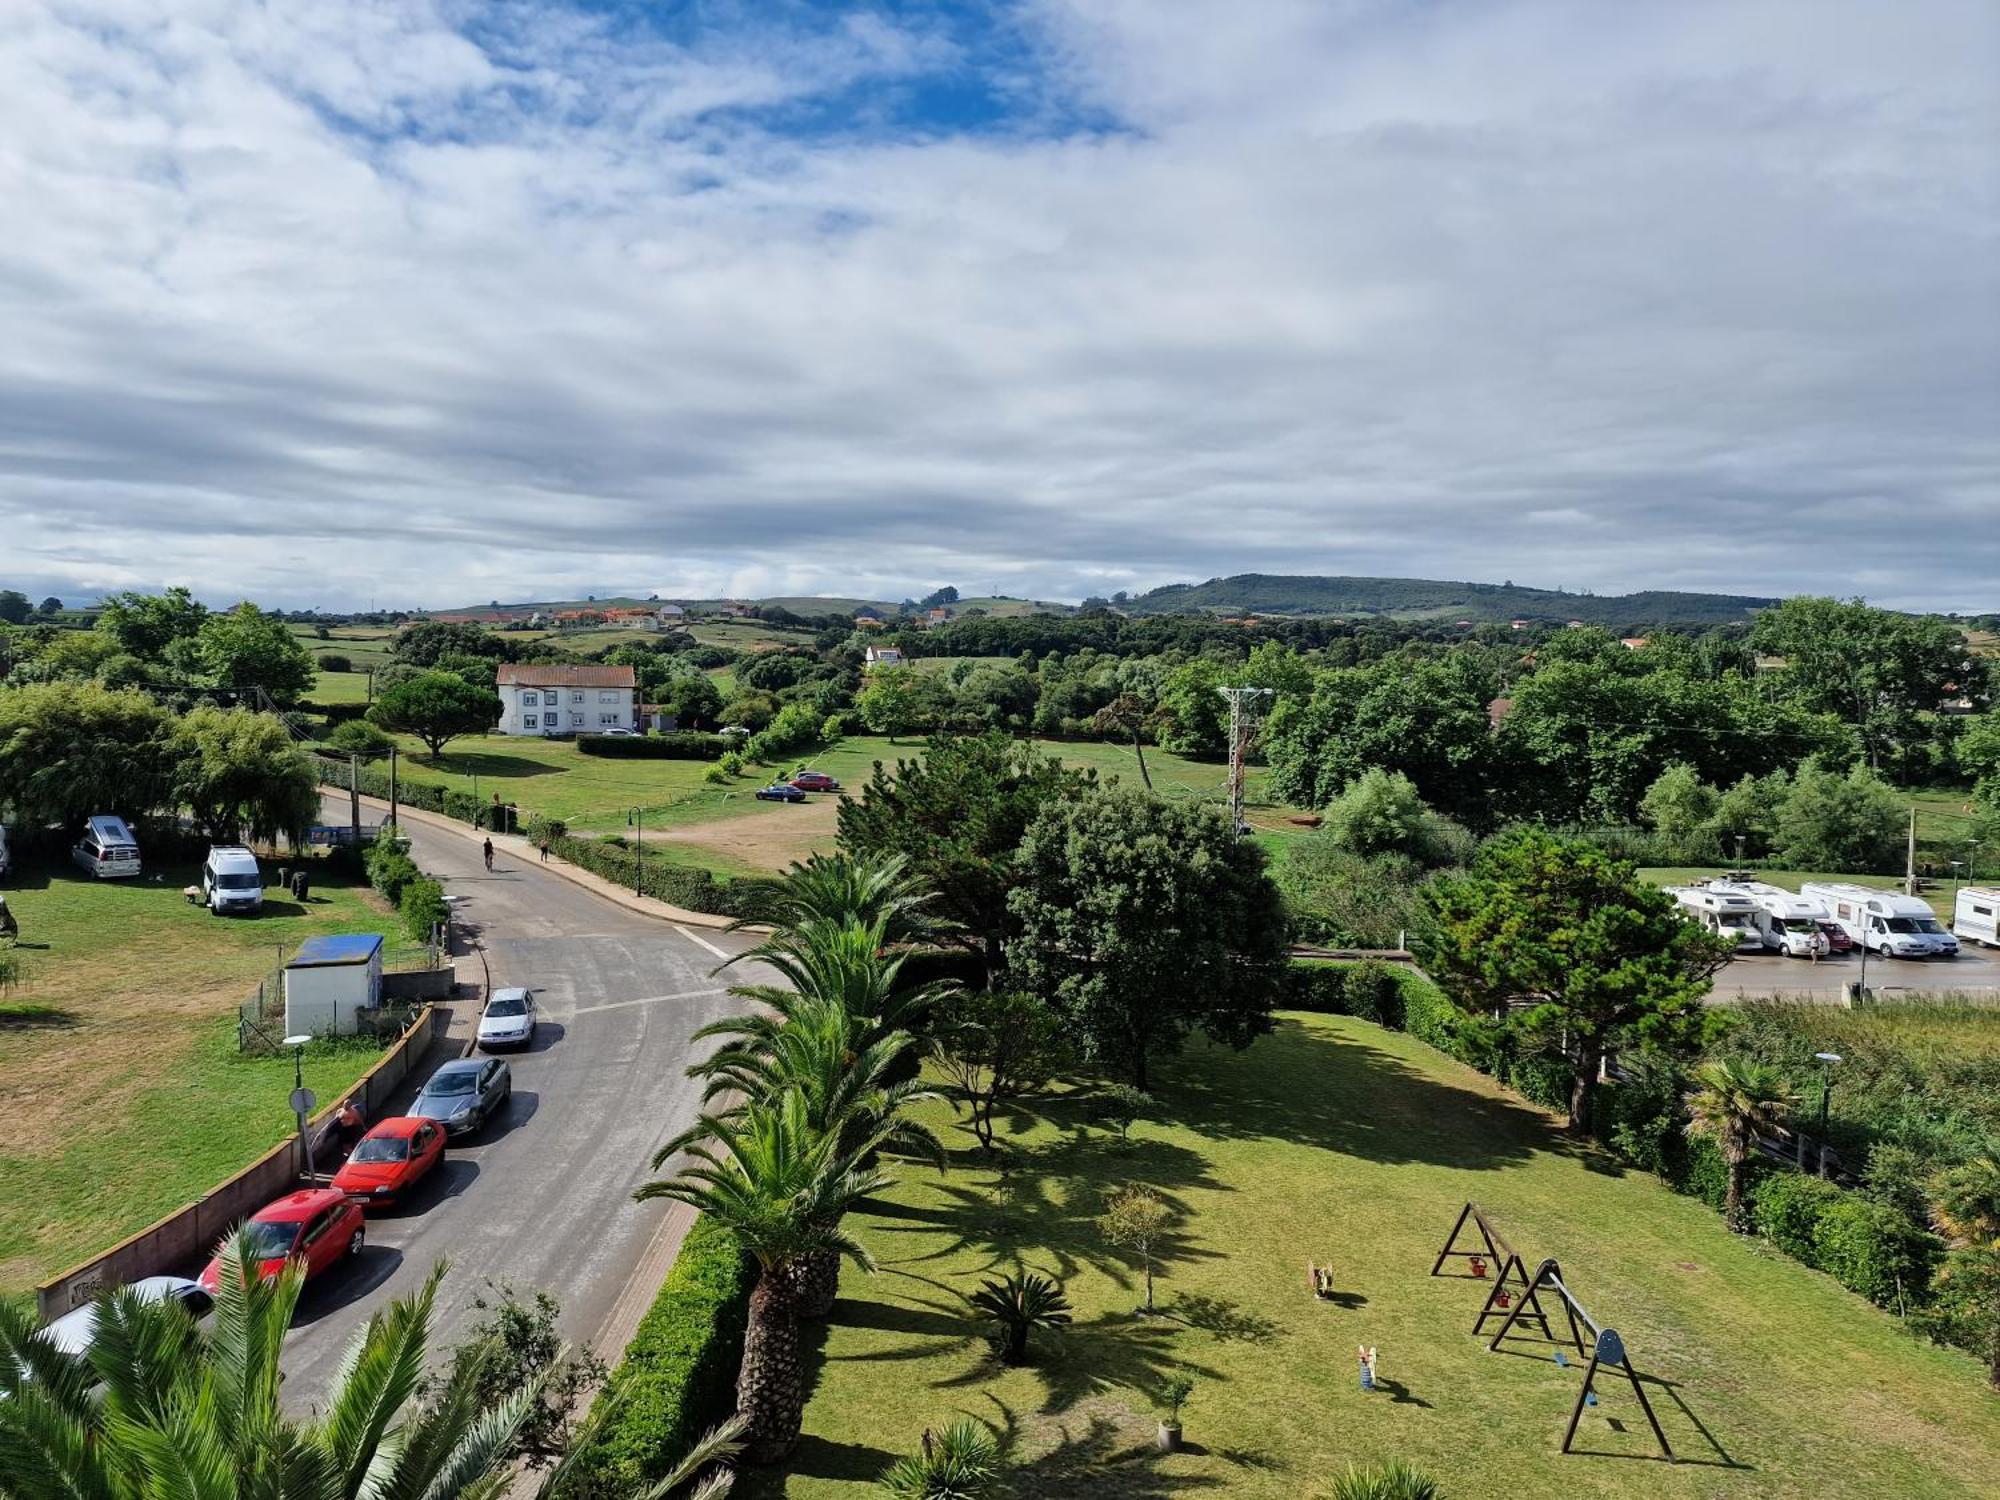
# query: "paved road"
x,y
1975,969
543,1198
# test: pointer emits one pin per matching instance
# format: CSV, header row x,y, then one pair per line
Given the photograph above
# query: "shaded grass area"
x,y
1333,1140
121,1088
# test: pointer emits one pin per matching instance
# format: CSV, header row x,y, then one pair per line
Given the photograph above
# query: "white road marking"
x,y
591,1010
702,942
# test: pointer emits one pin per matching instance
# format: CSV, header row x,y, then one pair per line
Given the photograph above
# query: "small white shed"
x,y
329,981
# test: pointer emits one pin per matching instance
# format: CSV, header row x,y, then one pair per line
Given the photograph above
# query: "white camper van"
x,y
1976,918
1791,924
107,849
1725,911
231,881
1884,922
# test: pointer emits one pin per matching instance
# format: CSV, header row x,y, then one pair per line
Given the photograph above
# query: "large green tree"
x,y
246,650
437,707
1830,820
1561,940
1143,921
68,750
149,625
957,816
241,775
15,607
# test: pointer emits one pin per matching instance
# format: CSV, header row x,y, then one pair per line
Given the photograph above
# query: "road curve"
x,y
543,1197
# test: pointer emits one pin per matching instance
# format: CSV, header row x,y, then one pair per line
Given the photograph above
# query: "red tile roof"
x,y
520,674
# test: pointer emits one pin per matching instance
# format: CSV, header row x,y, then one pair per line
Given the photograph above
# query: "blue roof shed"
x,y
344,948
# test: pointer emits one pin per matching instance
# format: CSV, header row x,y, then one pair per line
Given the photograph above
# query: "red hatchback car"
x,y
315,1227
815,781
390,1160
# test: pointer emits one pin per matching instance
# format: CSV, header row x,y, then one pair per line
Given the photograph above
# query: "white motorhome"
x,y
1725,911
1976,916
231,881
107,849
1790,923
1884,922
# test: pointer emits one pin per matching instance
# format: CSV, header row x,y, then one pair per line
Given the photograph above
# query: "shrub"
x,y
1787,1209
1870,1248
1430,1017
679,885
716,776
681,745
731,764
677,1378
333,662
1370,989
1542,1078
551,830
422,906
390,868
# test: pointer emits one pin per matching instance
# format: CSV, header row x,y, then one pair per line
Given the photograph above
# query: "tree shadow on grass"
x,y
1338,1092
33,1015
1105,1453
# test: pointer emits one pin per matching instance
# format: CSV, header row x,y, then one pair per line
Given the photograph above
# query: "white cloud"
x,y
432,302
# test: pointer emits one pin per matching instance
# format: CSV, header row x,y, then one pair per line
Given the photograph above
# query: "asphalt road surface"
x,y
542,1198
1976,970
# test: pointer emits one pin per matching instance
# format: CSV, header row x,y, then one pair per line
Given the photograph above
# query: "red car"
x,y
1837,940
391,1159
316,1227
815,781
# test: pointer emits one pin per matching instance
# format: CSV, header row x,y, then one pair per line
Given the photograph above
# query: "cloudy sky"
x,y
431,301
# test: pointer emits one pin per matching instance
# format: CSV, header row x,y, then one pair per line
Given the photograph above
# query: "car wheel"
x,y
355,1241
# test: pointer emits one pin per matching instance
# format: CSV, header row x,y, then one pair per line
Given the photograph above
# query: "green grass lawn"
x,y
340,687
1334,1140
121,1088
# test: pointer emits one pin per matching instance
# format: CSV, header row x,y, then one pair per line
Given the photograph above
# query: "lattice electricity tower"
x,y
1243,705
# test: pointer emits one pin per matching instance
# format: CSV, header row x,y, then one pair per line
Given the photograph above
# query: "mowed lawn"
x,y
1334,1140
122,1092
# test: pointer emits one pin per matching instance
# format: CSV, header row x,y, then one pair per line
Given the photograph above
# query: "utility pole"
x,y
1910,869
636,818
392,790
354,798
1243,705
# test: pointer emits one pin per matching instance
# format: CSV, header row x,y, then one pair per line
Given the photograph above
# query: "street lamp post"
x,y
1829,1061
635,818
1956,866
302,1099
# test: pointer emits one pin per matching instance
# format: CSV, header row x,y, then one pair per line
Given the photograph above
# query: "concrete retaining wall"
x,y
188,1235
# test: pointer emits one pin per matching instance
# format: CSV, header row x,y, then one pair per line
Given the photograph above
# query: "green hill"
x,y
1421,598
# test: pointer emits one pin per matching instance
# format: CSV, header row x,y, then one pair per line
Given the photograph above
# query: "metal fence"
x,y
260,1017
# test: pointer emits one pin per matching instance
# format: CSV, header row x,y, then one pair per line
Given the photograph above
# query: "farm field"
x,y
1335,1140
121,1085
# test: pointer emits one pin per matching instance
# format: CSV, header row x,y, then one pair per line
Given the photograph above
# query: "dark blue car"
x,y
778,791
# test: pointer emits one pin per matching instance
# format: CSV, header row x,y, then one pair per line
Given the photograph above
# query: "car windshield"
x,y
378,1148
1928,924
239,882
457,1082
271,1241
507,1005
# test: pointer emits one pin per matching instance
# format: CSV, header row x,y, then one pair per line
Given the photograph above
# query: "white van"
x,y
107,848
1723,911
1884,922
231,881
1976,918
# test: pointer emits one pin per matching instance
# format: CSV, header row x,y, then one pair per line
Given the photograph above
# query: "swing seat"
x,y
1562,1359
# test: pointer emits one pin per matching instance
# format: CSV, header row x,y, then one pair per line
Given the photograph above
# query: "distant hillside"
x,y
1425,598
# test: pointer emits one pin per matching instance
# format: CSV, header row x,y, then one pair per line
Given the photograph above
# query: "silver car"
x,y
507,1021
464,1094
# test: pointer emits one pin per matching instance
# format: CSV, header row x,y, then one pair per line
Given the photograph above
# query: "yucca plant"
x,y
1020,1304
960,1463
1394,1480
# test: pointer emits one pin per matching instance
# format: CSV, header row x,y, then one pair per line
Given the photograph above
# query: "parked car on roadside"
x,y
780,791
618,734
1837,940
392,1158
315,1228
814,781
75,1332
508,1021
465,1093
107,849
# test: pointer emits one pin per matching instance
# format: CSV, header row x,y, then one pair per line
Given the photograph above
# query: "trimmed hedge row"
x,y
677,1379
685,745
679,885
1866,1246
1370,989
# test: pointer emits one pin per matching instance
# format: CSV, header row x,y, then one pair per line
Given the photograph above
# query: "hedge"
x,y
1371,990
1870,1248
686,886
678,1376
685,745
1787,1209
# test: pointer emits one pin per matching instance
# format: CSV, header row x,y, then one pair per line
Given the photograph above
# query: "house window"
x,y
530,700
576,697
531,721
611,697
576,719
607,718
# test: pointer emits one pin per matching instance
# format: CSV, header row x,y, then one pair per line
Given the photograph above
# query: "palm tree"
x,y
782,1187
841,888
849,1090
1021,1304
159,1408
846,961
1965,1203
959,1463
1734,1103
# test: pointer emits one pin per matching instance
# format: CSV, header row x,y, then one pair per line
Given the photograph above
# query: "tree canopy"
x,y
436,707
70,750
245,649
241,776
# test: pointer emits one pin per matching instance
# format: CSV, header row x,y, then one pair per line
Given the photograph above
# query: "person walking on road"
x,y
487,850
545,849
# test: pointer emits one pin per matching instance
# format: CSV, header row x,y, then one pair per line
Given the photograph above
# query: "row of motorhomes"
x,y
1825,917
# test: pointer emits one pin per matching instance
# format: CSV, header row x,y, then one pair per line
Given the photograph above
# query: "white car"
x,y
507,1021
75,1332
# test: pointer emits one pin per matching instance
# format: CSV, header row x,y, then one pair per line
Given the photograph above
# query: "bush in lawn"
x,y
681,745
332,662
678,1376
390,868
1431,1018
795,728
1787,1209
422,906
1870,1248
716,776
731,764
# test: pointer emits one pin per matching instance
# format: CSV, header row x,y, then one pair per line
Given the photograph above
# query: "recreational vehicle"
x,y
1724,911
1884,922
1976,918
107,849
1793,925
231,881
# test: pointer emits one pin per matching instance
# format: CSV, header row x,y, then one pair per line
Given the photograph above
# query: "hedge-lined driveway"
x,y
543,1197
